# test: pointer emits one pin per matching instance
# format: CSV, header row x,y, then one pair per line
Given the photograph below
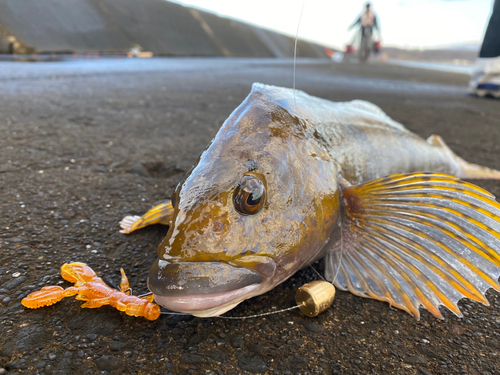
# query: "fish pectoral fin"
x,y
160,214
417,239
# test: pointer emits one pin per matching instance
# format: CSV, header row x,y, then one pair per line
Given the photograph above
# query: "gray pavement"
x,y
86,142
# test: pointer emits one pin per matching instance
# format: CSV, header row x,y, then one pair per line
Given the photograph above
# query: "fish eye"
x,y
249,196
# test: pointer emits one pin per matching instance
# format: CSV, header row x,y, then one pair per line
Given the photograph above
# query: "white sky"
x,y
404,23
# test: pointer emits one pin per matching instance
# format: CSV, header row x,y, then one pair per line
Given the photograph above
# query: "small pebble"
x,y
91,337
52,356
16,274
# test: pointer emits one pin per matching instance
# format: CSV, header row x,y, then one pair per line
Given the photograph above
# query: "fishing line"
x,y
172,313
295,51
341,253
317,273
257,315
238,317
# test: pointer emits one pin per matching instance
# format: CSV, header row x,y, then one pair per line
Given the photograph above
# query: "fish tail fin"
x,y
417,240
465,169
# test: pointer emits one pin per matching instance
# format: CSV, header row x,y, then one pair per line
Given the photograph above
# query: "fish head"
x,y
249,214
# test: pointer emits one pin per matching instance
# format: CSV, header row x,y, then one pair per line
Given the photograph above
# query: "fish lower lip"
x,y
197,304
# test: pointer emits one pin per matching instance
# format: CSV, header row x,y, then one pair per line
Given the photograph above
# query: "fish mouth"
x,y
204,306
207,288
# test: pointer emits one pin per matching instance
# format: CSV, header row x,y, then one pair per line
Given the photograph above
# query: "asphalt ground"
x,y
85,143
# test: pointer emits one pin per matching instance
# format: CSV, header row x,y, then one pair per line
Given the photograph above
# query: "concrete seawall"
x,y
116,26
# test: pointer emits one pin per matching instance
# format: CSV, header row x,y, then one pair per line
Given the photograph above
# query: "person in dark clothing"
x,y
485,79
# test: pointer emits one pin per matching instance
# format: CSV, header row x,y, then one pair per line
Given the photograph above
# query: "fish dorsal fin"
x,y
417,239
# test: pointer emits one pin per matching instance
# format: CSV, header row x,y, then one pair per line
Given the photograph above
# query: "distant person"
x,y
367,22
485,80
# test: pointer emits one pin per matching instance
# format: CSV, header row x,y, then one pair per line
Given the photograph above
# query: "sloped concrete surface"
x,y
158,26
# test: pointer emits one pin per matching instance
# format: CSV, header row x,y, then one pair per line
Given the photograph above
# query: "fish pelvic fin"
x,y
464,169
160,214
416,240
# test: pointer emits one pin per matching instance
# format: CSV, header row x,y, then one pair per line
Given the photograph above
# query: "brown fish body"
x,y
298,150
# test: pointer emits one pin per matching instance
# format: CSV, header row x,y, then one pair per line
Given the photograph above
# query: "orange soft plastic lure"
x,y
91,289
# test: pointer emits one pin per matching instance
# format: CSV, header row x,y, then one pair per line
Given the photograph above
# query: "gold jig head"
x,y
315,297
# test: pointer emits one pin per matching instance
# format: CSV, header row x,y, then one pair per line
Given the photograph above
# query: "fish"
x,y
291,178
